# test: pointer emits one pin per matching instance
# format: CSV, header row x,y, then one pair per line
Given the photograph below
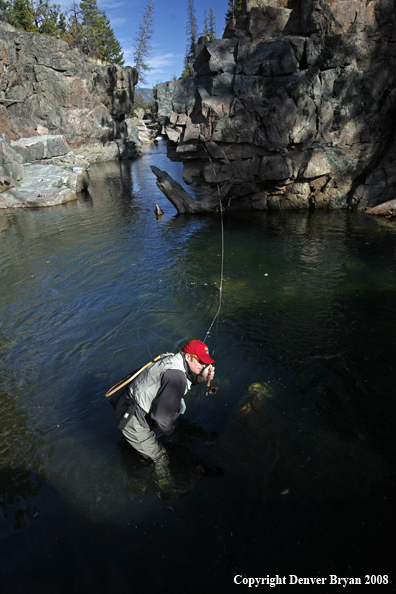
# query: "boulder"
x,y
11,168
38,148
46,185
163,93
132,132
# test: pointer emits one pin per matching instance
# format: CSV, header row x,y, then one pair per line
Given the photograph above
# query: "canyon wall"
x,y
48,88
294,108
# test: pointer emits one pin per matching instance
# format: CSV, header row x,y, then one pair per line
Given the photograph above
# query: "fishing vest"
x,y
145,387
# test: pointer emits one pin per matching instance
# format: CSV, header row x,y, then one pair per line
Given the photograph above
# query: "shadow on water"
x,y
48,546
186,466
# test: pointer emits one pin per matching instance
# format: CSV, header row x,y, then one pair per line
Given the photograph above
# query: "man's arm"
x,y
166,404
206,374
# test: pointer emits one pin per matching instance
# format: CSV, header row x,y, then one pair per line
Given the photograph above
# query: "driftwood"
x,y
181,200
387,209
158,210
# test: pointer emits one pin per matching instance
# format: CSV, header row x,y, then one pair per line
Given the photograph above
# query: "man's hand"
x,y
208,373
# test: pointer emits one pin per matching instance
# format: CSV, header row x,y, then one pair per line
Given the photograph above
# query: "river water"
x,y
288,470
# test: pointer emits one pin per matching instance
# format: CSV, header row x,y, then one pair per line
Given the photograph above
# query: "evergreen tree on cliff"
x,y
5,11
87,27
142,44
210,25
97,35
38,16
234,11
75,32
21,16
192,37
48,18
206,24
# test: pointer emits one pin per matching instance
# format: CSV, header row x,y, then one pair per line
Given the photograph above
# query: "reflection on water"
x,y
290,467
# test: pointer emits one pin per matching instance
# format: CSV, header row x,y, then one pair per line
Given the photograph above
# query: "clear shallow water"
x,y
300,479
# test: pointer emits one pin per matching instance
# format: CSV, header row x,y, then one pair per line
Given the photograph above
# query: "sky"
x,y
169,40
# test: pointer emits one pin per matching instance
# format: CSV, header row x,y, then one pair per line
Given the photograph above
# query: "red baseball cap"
x,y
199,348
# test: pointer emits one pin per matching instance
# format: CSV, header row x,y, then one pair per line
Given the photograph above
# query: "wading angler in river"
x,y
153,399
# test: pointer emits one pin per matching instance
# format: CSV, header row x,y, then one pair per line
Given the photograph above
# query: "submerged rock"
x,y
300,453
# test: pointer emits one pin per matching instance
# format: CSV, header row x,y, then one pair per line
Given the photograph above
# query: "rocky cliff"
x,y
294,108
46,87
53,99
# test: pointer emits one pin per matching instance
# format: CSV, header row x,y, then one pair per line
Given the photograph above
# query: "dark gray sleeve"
x,y
166,404
194,378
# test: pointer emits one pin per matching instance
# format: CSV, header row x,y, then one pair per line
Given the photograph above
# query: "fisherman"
x,y
154,399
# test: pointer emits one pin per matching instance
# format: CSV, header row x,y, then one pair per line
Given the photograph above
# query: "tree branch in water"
x,y
181,200
386,208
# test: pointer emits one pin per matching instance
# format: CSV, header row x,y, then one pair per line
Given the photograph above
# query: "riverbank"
x,y
42,171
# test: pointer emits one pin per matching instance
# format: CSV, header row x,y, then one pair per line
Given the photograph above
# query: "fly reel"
x,y
212,390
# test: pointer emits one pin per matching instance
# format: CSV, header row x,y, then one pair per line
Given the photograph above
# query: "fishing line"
x,y
146,343
216,317
155,334
213,389
222,254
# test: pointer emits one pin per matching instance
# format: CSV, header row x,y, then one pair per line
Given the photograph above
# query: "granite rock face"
x,y
53,99
163,93
294,108
46,185
48,88
37,148
11,168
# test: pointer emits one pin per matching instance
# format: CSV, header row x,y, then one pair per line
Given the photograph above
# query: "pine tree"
x,y
142,44
90,30
92,22
75,32
212,25
111,49
21,15
5,8
34,15
206,24
234,10
192,36
86,27
48,18
186,68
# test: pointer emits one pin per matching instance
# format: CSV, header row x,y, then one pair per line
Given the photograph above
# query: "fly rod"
x,y
129,378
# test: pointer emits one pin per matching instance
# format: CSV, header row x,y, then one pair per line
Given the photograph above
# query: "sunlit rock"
x,y
47,85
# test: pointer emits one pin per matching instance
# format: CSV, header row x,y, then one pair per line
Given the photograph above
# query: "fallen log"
x,y
387,209
181,200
